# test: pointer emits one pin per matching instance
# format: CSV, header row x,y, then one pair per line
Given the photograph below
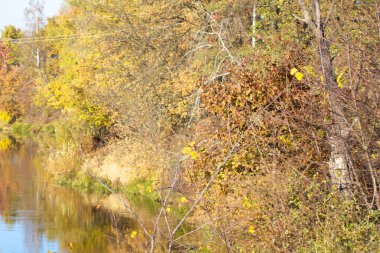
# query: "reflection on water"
x,y
36,216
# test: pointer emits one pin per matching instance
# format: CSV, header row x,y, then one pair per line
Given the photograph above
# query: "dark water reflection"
x,y
36,216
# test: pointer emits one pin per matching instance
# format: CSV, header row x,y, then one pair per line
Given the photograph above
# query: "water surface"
x,y
36,216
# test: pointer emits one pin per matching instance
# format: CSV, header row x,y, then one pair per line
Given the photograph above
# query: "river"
x,y
37,216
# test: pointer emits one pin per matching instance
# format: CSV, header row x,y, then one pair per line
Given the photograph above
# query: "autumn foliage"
x,y
228,102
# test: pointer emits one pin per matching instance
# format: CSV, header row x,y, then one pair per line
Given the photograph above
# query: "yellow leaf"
x,y
339,79
5,117
70,245
286,139
321,133
186,150
5,143
133,234
247,203
182,199
194,155
293,71
299,76
310,70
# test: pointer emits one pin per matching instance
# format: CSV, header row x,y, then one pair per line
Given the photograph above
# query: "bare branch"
x,y
197,229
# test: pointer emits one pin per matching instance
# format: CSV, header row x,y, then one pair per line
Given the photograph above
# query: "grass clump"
x,y
20,130
140,187
81,181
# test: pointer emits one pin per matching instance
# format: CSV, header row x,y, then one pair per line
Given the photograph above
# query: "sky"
x,y
12,11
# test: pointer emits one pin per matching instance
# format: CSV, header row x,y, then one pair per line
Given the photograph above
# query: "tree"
x,y
349,125
34,18
339,157
9,37
14,85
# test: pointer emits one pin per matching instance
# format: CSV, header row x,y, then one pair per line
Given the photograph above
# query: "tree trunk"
x,y
339,164
253,41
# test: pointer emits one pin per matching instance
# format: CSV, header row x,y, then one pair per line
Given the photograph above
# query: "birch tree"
x,y
339,164
34,18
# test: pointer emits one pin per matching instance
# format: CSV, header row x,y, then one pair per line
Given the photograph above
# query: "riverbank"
x,y
130,169
133,168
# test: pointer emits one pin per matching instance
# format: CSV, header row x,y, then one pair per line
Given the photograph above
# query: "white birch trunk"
x,y
339,164
254,26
